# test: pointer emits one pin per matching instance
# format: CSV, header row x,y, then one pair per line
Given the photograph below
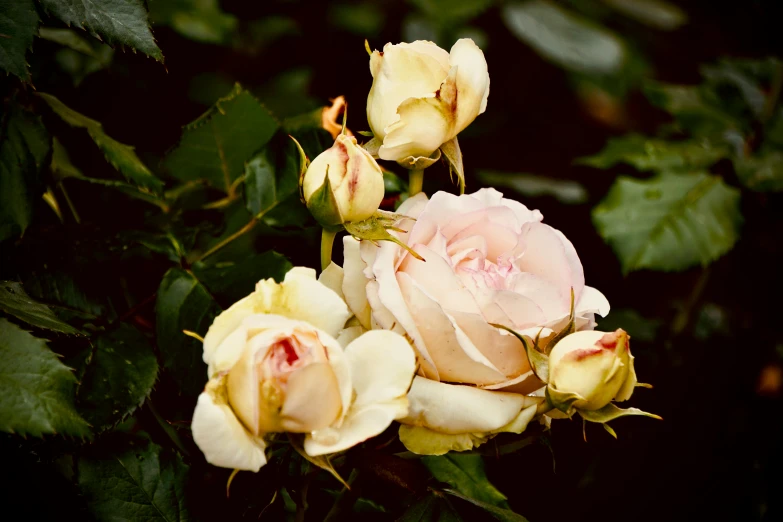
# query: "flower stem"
x,y
242,231
415,181
327,240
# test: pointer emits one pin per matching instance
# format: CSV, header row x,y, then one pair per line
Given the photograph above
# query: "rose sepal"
x,y
611,412
539,362
377,227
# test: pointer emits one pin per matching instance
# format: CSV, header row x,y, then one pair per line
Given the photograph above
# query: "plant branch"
x,y
415,181
239,233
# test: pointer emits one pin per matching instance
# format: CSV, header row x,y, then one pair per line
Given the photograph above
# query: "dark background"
x,y
705,338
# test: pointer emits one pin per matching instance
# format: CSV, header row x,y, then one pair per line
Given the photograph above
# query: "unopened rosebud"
x,y
343,184
587,370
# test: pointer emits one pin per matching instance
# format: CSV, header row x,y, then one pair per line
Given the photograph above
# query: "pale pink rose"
x,y
488,259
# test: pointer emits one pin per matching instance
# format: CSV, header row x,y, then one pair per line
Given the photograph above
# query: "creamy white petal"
x,y
332,278
452,408
225,324
350,334
423,125
222,438
592,301
472,81
423,441
354,283
302,297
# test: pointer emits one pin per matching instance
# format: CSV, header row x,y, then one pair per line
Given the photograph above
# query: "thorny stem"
x,y
171,432
415,181
682,319
327,240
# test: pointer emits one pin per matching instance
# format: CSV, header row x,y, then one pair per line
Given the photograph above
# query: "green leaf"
x,y
453,10
565,191
216,145
199,20
361,19
761,172
18,22
68,296
145,483
63,169
184,304
67,38
431,508
120,373
656,154
564,37
669,222
466,474
116,21
693,111
504,515
24,147
121,156
15,301
655,13
271,177
233,280
36,389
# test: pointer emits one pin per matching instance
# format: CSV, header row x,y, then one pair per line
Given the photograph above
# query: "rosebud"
x,y
587,370
343,184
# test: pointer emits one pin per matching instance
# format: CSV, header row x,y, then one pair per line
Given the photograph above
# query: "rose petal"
x,y
401,72
423,125
221,437
382,366
312,399
552,257
455,356
453,408
332,278
472,81
592,301
304,298
354,284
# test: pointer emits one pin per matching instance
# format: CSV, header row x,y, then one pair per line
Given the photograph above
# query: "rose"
x,y
343,184
589,369
422,96
275,365
487,260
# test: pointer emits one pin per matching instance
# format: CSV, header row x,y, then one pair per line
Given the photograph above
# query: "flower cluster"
x,y
461,317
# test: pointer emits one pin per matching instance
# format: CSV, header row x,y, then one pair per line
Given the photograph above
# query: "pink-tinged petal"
x,y
454,355
500,239
505,352
522,311
524,384
434,274
391,297
552,257
312,399
354,283
472,81
592,301
468,247
413,206
544,293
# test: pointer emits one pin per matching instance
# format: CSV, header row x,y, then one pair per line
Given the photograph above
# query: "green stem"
x,y
415,181
244,230
167,429
345,500
327,240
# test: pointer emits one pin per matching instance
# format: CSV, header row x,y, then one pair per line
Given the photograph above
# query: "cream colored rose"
x,y
487,260
423,96
343,184
275,366
591,369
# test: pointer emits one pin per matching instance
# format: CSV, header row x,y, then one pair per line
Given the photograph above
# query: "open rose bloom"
x,y
275,365
486,260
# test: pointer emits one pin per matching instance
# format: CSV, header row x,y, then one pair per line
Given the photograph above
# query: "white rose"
x,y
422,96
275,365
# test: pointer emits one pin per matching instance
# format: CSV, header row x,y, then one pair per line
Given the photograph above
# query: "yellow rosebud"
x,y
343,184
590,369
